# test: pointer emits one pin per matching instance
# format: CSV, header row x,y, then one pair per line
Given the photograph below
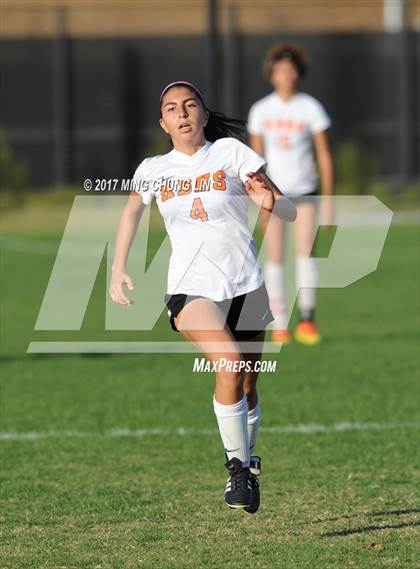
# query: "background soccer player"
x,y
214,274
285,127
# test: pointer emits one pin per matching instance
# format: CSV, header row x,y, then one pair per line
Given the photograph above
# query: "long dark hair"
x,y
218,124
221,126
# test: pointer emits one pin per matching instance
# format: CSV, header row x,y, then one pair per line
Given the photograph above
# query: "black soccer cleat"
x,y
238,487
254,471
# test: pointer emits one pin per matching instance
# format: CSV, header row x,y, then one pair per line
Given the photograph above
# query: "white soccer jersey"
x,y
287,128
204,204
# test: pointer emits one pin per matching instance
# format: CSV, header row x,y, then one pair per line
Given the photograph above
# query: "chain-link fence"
x,y
80,80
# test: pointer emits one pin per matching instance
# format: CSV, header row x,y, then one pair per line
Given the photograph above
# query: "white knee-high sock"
x,y
274,280
232,421
306,282
253,424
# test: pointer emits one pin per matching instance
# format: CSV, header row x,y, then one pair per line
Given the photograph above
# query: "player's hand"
x,y
327,211
259,191
120,278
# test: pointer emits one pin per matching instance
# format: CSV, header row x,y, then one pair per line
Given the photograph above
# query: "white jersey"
x,y
287,128
204,204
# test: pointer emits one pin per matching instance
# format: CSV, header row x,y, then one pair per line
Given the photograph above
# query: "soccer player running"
x,y
202,189
285,127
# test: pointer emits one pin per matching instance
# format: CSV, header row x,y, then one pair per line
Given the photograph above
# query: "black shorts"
x,y
253,319
304,197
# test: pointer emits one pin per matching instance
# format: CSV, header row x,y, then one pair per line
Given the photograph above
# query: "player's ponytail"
x,y
218,124
221,126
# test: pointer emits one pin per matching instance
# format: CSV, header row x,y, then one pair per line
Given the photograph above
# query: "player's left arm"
x,y
267,195
326,173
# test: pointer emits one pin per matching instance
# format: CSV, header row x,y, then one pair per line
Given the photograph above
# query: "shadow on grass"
x,y
365,529
358,515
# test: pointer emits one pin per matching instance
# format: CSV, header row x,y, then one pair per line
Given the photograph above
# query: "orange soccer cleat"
x,y
281,336
307,333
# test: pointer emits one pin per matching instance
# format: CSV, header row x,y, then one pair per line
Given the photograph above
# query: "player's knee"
x,y
250,387
230,370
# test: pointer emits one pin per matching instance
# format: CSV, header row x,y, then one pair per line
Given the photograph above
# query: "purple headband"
x,y
187,84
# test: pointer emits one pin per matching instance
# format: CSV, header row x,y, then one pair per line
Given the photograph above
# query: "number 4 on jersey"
x,y
198,211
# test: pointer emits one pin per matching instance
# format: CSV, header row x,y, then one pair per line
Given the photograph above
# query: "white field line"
x,y
310,429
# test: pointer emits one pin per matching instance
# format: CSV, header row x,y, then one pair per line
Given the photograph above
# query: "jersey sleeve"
x,y
254,124
318,119
141,183
245,159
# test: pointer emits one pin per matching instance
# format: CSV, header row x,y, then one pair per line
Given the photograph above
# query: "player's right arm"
x,y
127,228
256,143
255,129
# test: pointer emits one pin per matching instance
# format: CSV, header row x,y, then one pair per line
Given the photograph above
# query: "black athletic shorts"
x,y
255,316
298,199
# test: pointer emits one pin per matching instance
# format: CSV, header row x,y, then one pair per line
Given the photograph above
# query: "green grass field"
x,y
86,490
